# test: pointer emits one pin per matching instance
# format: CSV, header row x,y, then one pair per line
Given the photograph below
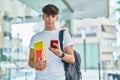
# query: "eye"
x,y
53,16
47,15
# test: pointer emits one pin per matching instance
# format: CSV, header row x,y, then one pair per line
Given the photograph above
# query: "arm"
x,y
69,55
31,58
68,48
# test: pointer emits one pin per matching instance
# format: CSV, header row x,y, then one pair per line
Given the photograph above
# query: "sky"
x,y
25,31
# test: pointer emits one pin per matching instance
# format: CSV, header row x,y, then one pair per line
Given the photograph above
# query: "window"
x,y
109,42
80,29
94,29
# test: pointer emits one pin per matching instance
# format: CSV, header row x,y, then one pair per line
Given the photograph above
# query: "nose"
x,y
50,17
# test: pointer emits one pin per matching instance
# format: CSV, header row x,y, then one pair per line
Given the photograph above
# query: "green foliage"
x,y
118,2
117,9
118,20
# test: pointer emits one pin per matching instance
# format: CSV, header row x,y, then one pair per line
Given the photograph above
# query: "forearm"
x,y
31,63
69,58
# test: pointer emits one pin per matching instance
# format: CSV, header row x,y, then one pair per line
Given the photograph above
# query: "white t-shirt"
x,y
54,69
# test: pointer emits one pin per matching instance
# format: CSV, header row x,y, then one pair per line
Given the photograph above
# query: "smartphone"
x,y
52,43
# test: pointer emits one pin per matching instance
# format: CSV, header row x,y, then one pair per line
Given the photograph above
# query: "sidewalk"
x,y
86,75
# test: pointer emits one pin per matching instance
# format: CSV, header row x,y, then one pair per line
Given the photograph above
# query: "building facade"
x,y
99,40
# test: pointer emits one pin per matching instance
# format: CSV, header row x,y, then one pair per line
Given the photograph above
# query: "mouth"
x,y
50,22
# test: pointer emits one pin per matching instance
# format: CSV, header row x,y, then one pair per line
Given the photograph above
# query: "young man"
x,y
53,65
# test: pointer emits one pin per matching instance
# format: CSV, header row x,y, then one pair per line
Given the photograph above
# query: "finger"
x,y
39,59
43,66
45,63
56,45
49,48
42,61
52,49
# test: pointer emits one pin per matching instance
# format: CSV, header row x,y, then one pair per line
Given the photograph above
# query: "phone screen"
x,y
52,43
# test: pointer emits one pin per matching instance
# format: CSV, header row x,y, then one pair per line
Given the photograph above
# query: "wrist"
x,y
63,54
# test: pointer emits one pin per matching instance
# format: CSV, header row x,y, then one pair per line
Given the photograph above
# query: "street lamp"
x,y
84,43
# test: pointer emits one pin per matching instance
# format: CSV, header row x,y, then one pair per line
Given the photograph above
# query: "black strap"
x,y
61,38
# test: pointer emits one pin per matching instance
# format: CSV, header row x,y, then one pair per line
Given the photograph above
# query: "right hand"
x,y
57,51
40,64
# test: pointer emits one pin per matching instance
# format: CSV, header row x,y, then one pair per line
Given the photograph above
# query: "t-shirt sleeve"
x,y
31,45
67,40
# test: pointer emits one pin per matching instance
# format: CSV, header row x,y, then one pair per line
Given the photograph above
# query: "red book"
x,y
38,57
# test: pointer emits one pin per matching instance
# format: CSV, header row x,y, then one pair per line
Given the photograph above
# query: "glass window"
x,y
94,29
109,42
80,29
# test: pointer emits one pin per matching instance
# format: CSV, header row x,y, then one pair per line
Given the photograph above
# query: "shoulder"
x,y
66,32
37,34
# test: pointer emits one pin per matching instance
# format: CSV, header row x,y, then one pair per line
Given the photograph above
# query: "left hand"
x,y
57,51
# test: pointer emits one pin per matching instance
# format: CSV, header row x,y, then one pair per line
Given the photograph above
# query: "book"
x,y
38,52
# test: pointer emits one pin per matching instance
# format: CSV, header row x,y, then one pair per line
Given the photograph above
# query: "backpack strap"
x,y
61,38
61,33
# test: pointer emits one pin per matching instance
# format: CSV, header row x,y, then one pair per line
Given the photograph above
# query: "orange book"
x,y
38,52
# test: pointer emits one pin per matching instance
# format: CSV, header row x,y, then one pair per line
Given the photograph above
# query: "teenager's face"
x,y
50,20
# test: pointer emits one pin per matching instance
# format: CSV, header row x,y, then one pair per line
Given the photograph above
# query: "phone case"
x,y
52,43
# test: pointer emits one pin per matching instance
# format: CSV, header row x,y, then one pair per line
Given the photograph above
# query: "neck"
x,y
50,29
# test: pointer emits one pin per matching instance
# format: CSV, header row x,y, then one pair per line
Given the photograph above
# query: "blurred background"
x,y
93,24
